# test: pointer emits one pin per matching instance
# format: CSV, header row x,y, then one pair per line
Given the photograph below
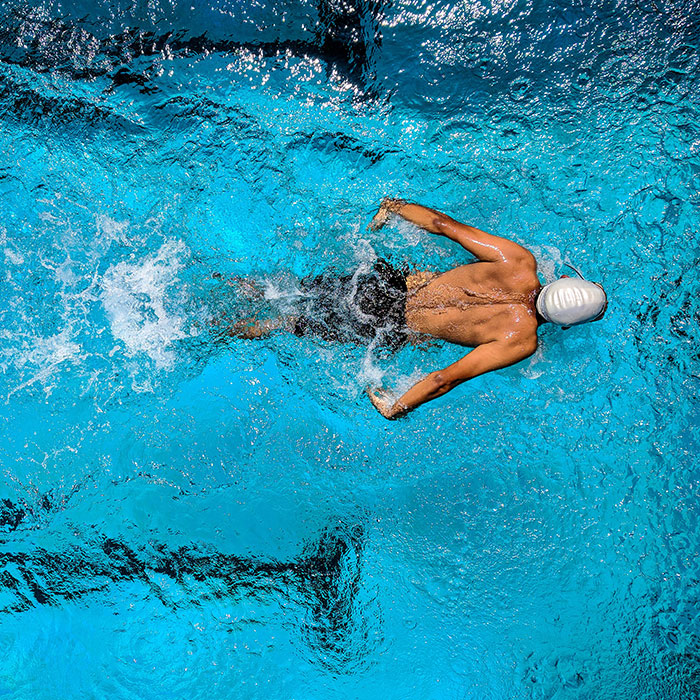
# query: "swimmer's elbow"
x,y
440,384
527,348
441,224
516,348
522,257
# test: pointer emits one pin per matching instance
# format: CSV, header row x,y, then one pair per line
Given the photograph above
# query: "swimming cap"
x,y
568,301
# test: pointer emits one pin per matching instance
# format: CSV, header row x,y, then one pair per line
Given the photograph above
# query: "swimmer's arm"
x,y
482,245
485,358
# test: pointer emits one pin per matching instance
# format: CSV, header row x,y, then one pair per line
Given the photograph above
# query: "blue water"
x,y
182,517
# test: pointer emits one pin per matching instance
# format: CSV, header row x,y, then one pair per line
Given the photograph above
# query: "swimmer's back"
x,y
476,303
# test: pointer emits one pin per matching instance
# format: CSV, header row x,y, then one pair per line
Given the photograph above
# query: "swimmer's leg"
x,y
253,329
246,290
246,286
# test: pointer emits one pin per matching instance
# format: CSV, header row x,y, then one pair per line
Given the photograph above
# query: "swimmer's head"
x,y
569,301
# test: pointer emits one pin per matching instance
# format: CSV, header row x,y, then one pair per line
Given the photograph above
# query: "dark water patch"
x,y
344,35
38,106
669,323
322,584
11,515
331,142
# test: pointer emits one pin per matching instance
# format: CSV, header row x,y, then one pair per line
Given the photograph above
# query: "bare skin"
x,y
488,305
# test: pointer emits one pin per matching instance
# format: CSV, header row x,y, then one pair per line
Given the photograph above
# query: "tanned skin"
x,y
488,305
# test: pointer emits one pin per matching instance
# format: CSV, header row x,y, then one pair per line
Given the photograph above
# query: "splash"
x,y
45,356
549,260
138,299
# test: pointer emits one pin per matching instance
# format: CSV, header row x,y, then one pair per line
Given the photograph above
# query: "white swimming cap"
x,y
569,301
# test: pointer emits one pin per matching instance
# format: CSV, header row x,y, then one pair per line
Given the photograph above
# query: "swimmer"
x,y
494,305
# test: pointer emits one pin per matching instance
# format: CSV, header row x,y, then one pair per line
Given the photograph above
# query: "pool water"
x,y
188,516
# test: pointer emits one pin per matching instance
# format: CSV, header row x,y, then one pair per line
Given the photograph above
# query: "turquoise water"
x,y
183,517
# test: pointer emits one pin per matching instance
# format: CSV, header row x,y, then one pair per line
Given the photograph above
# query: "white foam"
x,y
549,260
536,367
134,296
370,374
281,288
13,257
111,229
364,253
46,354
413,234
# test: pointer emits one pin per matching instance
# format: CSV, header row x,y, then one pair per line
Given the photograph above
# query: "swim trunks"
x,y
358,308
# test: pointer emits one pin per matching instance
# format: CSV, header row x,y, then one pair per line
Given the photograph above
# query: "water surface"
x,y
188,518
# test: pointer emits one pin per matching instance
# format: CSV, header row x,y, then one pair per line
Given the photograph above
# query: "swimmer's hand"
x,y
383,402
386,208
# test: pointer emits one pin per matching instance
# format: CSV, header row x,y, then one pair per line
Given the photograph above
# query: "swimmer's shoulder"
x,y
521,328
